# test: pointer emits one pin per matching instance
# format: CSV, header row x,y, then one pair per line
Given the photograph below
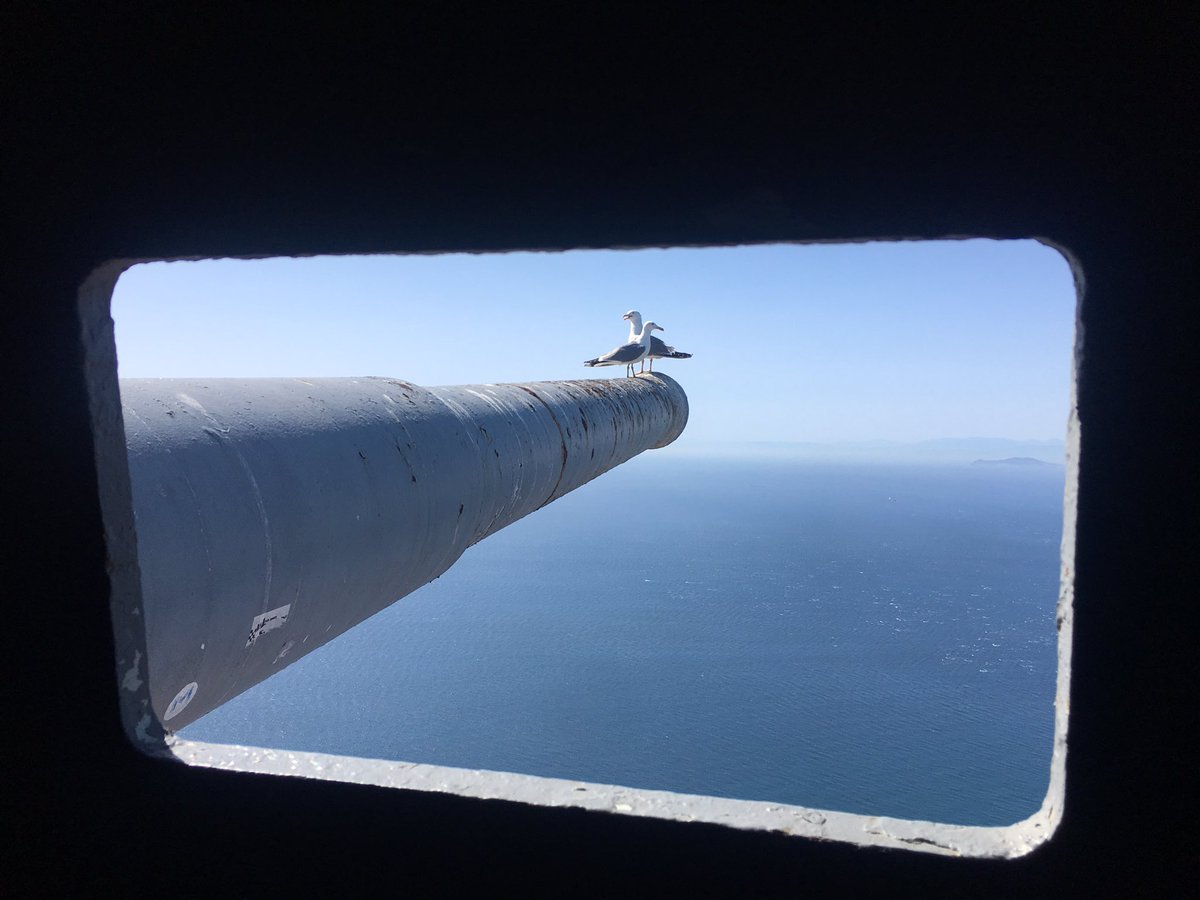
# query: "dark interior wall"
x,y
153,132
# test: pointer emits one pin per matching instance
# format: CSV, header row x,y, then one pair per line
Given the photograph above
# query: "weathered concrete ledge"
x,y
274,514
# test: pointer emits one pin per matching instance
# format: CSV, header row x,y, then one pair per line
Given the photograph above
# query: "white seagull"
x,y
658,349
629,353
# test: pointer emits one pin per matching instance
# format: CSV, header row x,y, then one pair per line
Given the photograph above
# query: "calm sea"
x,y
875,639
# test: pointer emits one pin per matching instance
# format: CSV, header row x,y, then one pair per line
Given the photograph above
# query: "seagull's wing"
x,y
660,350
626,353
621,356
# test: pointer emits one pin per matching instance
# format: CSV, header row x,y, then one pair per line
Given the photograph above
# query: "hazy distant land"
x,y
947,451
1026,461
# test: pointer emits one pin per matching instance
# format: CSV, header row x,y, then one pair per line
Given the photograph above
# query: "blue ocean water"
x,y
869,638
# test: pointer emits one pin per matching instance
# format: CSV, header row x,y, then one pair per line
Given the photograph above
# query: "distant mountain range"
x,y
984,451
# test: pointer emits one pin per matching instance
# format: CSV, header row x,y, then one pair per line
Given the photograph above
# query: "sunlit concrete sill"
x,y
868,831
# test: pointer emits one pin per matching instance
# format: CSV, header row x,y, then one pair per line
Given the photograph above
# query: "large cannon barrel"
x,y
274,514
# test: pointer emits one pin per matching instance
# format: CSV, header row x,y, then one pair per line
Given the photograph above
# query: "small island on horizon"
x,y
1013,461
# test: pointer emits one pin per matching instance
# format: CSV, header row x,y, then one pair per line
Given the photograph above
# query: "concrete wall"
x,y
195,132
274,514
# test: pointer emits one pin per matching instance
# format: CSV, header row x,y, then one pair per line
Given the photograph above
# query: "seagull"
x,y
658,349
628,353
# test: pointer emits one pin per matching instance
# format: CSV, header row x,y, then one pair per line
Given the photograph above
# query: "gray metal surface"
x,y
275,514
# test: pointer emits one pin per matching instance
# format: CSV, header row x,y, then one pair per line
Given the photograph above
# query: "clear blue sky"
x,y
897,341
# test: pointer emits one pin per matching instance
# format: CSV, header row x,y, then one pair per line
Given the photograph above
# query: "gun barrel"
x,y
274,514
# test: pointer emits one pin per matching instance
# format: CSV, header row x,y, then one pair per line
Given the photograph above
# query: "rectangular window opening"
x,y
835,604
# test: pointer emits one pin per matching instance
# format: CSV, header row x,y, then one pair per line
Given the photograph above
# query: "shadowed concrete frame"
x,y
180,132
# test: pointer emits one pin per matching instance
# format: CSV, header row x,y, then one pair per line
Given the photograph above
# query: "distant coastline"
x,y
940,451
1020,461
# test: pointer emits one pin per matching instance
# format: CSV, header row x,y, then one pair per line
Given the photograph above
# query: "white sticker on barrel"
x,y
268,621
182,699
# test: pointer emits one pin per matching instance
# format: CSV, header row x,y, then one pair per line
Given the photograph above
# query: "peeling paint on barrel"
x,y
340,496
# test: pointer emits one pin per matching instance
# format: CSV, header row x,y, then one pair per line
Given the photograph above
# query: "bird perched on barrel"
x,y
658,349
628,353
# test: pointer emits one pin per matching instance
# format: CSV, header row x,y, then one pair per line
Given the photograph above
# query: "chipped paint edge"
x,y
140,724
